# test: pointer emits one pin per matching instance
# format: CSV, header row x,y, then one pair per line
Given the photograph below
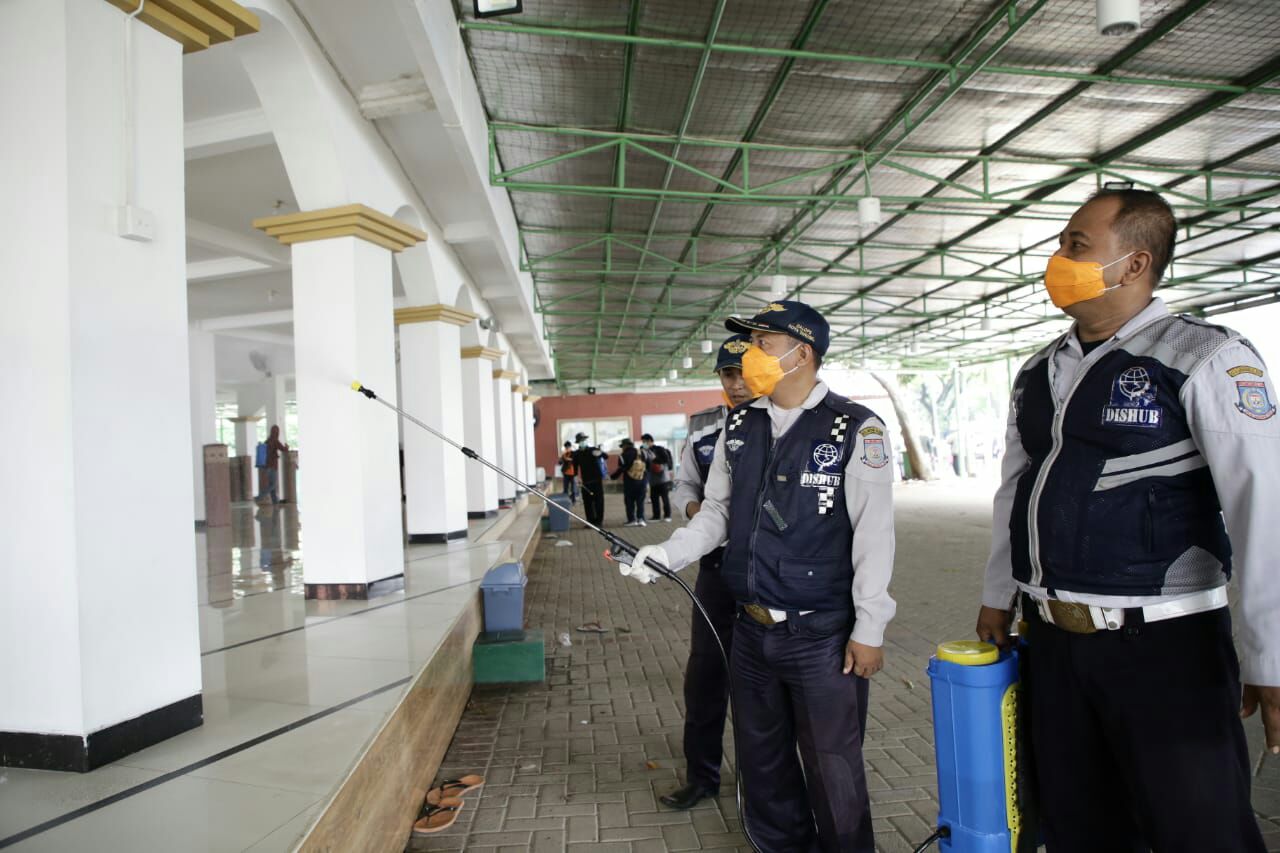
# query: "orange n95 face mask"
x,y
1069,282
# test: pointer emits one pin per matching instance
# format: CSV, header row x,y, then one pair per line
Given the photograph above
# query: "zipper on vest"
x,y
769,460
1055,432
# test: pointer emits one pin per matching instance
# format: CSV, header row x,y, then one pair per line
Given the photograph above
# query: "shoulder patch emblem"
x,y
1244,368
873,452
1254,400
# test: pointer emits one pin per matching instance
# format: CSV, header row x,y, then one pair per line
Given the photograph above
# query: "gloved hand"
x,y
638,570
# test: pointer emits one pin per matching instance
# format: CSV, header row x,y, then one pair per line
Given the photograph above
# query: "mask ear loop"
x,y
1105,288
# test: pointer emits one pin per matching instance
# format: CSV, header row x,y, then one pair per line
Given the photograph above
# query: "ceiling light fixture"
x,y
672,374
708,346
662,382
686,362
1119,17
777,287
869,211
493,8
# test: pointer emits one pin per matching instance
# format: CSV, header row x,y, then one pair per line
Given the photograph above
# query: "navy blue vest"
x,y
789,531
1116,498
704,430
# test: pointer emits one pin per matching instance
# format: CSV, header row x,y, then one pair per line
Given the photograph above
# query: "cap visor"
x,y
737,324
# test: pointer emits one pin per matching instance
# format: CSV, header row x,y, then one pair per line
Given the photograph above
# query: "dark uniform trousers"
x,y
789,691
593,501
1137,738
706,683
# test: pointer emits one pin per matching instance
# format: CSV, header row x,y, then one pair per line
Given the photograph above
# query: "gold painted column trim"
x,y
520,389
245,419
531,398
482,352
349,220
505,374
434,314
194,24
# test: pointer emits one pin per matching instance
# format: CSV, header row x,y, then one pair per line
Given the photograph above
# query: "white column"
x,y
431,381
343,332
518,433
504,433
92,332
246,434
275,404
203,401
479,429
532,463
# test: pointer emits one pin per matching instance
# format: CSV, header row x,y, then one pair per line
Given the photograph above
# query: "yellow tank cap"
x,y
968,652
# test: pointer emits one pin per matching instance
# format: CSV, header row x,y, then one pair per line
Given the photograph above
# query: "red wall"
x,y
587,406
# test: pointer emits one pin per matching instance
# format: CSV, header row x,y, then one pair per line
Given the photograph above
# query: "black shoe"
x,y
688,796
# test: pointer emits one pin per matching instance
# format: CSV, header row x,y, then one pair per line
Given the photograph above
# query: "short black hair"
x,y
646,437
1145,222
568,444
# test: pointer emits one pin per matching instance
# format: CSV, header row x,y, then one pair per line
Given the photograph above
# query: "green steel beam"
x,y
624,112
950,68
695,87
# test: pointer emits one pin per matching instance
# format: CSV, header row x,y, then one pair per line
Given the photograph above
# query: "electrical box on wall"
x,y
134,223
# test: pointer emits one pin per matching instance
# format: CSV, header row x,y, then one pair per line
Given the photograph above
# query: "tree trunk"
x,y
921,466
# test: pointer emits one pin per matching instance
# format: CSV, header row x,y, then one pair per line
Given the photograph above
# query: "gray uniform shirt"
x,y
1243,453
868,492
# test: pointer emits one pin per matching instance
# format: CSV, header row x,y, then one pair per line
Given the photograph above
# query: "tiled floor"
x,y
577,763
290,673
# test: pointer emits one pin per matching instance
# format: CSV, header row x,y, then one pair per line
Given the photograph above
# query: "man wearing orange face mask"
x,y
794,474
1132,439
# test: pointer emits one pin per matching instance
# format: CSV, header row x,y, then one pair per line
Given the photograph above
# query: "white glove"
x,y
637,569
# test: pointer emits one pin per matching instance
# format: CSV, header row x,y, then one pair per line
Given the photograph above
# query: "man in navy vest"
x,y
795,473
1132,438
706,684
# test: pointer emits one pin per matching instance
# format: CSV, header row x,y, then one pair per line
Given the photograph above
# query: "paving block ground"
x,y
577,763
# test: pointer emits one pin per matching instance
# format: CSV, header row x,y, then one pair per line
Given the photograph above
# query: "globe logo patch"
x,y
1133,400
823,468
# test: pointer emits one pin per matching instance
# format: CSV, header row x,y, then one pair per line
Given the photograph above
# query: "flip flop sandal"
x,y
438,817
450,788
593,628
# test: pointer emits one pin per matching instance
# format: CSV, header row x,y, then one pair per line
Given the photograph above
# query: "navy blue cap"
x,y
731,351
787,317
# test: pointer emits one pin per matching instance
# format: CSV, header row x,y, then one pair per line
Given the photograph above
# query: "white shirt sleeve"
x,y
868,494
1230,405
707,530
688,486
999,587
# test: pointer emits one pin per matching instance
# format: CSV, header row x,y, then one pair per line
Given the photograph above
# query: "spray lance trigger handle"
x,y
622,551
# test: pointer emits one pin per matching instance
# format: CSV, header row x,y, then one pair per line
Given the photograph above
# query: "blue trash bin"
x,y
503,589
558,513
975,694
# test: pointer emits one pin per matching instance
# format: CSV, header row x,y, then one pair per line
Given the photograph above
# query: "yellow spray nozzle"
x,y
356,386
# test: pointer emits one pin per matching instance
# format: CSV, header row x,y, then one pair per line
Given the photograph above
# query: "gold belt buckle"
x,y
758,613
1072,617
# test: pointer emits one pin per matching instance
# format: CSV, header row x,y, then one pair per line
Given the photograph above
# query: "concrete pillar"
x,y
275,404
246,434
529,400
99,650
202,376
518,434
431,390
479,429
504,432
343,332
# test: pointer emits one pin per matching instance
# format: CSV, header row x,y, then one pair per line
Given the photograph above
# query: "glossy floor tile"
x,y
293,692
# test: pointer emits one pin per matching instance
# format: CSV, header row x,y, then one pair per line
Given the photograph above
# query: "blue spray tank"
x,y
976,739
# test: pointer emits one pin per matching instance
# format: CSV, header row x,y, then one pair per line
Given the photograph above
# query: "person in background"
x,y
633,470
660,478
274,448
568,473
706,682
589,463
